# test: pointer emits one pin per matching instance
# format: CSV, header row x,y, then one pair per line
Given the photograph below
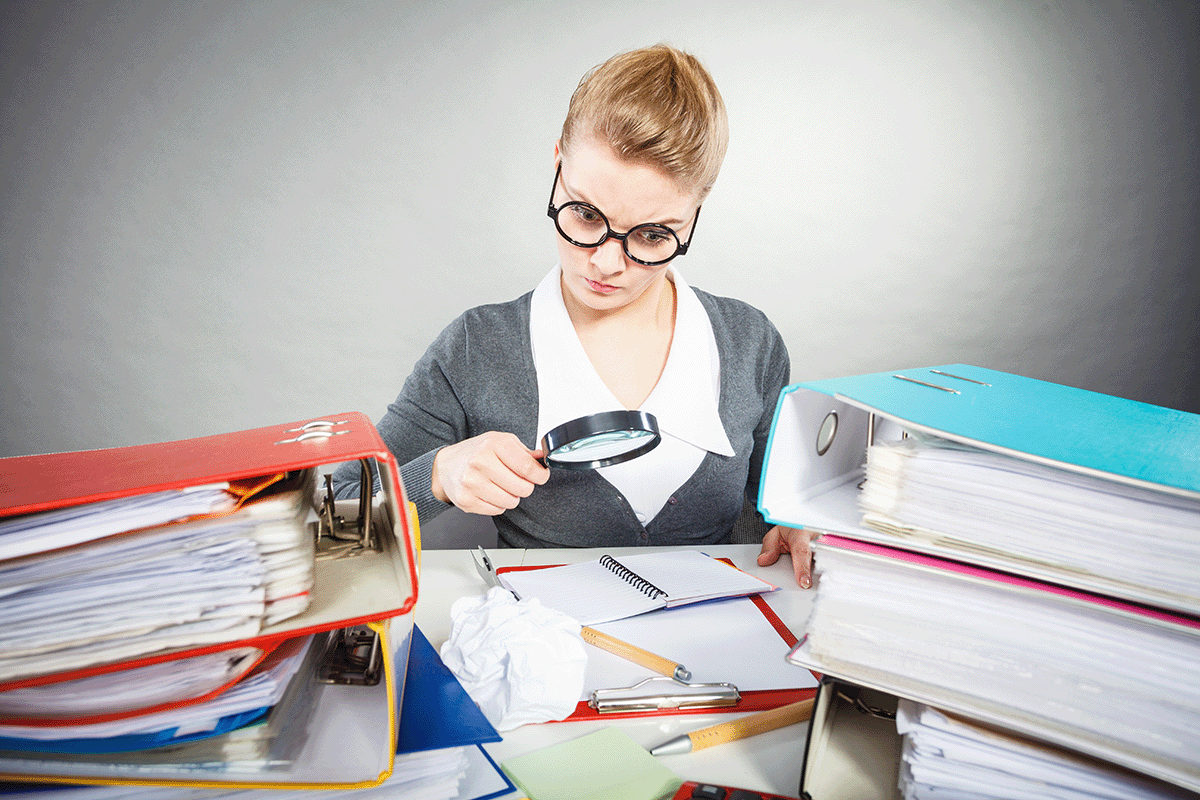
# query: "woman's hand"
x,y
796,541
488,473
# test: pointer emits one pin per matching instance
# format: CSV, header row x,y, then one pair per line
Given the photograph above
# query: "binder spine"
x,y
632,578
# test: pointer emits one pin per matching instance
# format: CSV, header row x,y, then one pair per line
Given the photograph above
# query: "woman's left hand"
x,y
796,541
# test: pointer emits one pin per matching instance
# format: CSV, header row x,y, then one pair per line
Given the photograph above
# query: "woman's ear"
x,y
557,152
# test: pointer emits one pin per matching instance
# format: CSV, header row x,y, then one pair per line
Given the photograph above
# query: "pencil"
x,y
637,655
737,729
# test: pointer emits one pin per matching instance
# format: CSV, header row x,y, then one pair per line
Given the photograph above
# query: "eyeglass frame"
x,y
553,212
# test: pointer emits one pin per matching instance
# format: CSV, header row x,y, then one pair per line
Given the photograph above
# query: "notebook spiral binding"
x,y
632,578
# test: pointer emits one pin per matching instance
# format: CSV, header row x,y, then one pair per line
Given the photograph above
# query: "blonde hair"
x,y
657,106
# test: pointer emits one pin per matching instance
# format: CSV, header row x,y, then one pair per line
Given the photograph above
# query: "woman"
x,y
614,325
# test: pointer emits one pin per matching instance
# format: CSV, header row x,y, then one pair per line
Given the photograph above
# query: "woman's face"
x,y
604,278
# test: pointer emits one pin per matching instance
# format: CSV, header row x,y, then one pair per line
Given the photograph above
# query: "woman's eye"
x,y
655,236
586,215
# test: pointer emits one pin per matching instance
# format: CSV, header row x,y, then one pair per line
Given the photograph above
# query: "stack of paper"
x,y
178,734
1110,679
112,695
146,593
1074,528
88,590
80,587
52,530
943,756
1013,551
439,752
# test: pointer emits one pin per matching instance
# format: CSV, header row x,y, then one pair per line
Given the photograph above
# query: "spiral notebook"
x,y
616,587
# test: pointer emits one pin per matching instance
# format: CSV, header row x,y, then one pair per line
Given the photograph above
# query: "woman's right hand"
x,y
488,473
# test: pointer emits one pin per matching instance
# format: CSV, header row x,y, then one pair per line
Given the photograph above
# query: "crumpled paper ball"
x,y
520,661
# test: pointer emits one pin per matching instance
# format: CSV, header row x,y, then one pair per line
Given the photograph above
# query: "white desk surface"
x,y
769,762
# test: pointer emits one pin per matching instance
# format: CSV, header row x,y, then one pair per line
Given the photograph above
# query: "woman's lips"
x,y
602,288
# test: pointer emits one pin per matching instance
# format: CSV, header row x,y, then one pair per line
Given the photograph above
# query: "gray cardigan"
x,y
479,376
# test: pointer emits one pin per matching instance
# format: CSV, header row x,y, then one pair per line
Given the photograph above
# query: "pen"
x,y
637,655
738,729
483,565
592,636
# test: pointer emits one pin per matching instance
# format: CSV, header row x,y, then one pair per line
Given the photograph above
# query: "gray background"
x,y
216,216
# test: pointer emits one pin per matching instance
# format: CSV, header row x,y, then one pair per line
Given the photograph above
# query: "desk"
x,y
769,762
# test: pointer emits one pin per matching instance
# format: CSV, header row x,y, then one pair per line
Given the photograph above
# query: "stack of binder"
x,y
1016,553
199,613
439,751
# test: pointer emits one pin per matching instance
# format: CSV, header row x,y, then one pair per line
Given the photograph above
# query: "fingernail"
x,y
805,582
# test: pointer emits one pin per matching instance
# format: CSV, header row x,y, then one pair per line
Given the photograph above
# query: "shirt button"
x,y
641,518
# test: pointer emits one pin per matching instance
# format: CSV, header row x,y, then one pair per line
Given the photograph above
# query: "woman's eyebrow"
x,y
575,195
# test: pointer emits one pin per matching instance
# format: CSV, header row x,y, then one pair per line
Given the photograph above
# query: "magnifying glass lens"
x,y
602,445
601,440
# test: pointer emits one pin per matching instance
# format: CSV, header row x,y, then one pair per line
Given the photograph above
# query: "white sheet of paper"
x,y
48,530
738,646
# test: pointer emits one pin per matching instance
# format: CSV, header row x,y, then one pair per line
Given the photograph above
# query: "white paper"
x,y
520,661
738,645
944,757
1121,681
929,489
214,579
261,689
126,690
49,530
591,592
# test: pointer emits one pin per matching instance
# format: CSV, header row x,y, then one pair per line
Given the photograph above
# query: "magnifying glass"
x,y
601,440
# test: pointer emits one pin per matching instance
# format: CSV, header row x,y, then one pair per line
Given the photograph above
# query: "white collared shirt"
x,y
684,400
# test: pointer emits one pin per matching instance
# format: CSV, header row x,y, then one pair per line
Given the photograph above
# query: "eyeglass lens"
x,y
587,227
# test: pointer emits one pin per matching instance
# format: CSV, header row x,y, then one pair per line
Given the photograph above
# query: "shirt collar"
x,y
685,399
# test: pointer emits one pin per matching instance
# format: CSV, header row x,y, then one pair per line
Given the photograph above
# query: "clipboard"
x,y
364,588
804,686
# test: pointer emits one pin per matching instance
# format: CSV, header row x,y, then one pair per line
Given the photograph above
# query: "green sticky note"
x,y
601,765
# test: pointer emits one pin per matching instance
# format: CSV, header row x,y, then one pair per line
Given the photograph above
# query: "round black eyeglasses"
x,y
583,225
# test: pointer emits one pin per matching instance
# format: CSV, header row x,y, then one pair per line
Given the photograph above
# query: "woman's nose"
x,y
609,257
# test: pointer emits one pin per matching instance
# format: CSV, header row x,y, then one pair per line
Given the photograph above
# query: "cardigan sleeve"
x,y
776,375
426,416
477,376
